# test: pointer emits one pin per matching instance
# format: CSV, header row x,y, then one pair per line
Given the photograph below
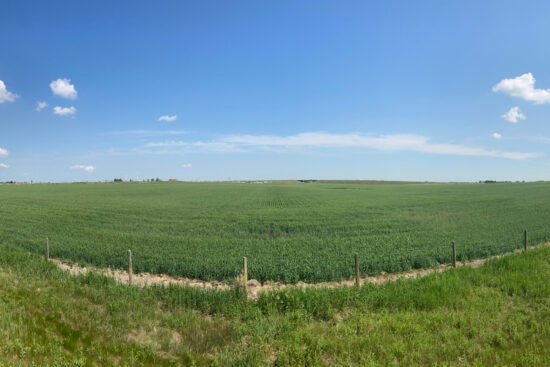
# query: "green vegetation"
x,y
498,314
289,232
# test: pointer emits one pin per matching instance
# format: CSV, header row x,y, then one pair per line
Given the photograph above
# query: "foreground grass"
x,y
498,314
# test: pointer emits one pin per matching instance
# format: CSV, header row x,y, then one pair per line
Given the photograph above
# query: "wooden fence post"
x,y
245,274
356,269
129,267
454,254
47,250
525,240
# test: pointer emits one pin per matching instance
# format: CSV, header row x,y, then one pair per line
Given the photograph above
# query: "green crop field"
x,y
289,232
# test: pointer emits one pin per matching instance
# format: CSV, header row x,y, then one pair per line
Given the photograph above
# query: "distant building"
x,y
173,180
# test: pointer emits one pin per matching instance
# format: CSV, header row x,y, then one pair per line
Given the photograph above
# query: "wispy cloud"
x,y
5,94
193,146
523,87
388,143
539,138
3,165
382,143
63,88
63,111
497,136
84,167
187,165
41,105
3,152
168,118
513,115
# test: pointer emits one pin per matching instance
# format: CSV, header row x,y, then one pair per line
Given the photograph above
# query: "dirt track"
x,y
254,286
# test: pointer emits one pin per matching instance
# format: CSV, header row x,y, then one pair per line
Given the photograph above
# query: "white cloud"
x,y
5,94
168,118
85,168
523,87
3,152
387,143
62,111
513,115
497,136
63,88
40,106
383,143
187,165
3,165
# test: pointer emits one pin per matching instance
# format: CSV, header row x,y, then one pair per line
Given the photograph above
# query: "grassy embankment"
x,y
498,314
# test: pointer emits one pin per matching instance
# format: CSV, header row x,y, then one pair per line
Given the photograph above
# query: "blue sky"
x,y
395,90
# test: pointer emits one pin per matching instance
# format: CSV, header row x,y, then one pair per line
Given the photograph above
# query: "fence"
x,y
244,275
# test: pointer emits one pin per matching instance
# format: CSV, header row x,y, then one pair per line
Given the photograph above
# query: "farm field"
x,y
289,232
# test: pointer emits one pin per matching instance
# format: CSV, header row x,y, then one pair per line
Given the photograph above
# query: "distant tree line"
x,y
146,180
493,181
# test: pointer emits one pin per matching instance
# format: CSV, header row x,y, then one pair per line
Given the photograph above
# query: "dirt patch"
x,y
140,279
176,338
155,338
141,336
254,287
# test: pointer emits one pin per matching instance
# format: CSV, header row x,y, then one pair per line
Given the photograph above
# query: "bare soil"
x,y
254,287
